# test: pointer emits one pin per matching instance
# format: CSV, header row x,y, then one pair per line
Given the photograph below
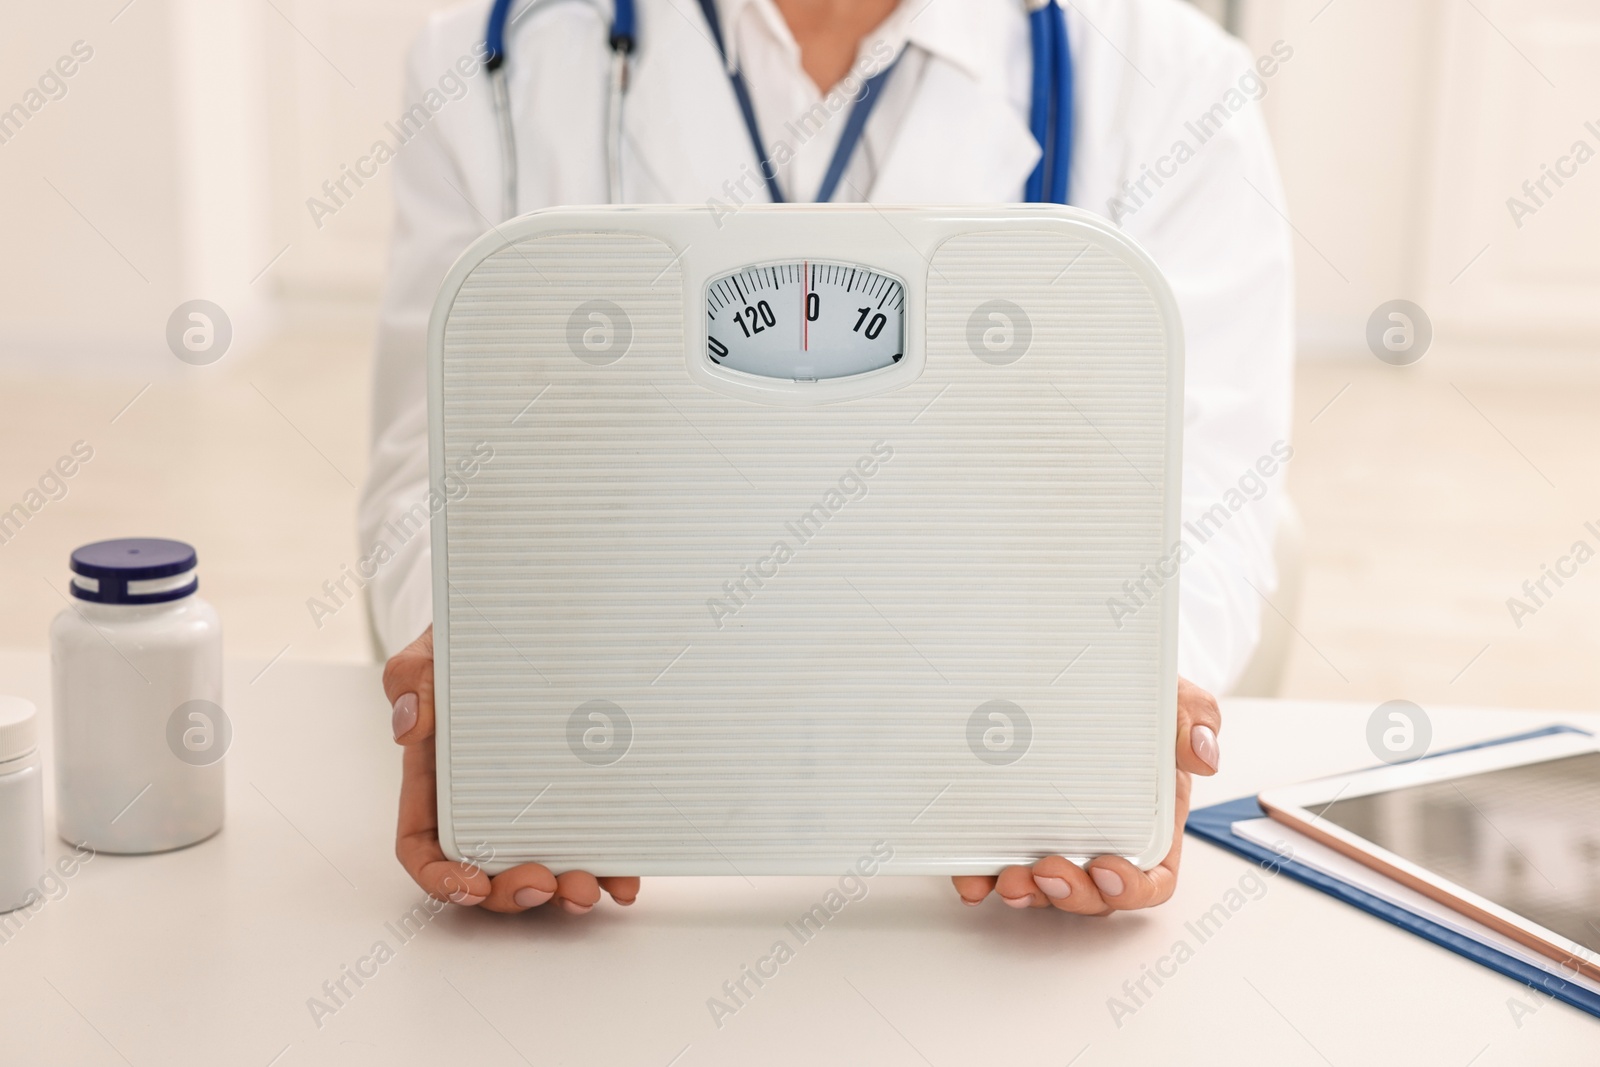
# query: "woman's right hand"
x,y
408,682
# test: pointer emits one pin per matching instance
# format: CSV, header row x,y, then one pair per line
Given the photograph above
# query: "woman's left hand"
x,y
1110,883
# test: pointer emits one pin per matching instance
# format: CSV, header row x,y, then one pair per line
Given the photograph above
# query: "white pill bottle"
x,y
21,804
140,733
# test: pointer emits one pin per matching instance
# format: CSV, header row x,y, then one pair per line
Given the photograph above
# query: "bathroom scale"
x,y
785,539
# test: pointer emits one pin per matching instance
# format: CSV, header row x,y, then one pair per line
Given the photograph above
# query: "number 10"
x,y
874,328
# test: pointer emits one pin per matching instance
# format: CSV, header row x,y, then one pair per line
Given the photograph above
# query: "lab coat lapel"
x,y
960,142
683,134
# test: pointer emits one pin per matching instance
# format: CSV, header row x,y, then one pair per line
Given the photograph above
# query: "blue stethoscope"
x,y
1049,115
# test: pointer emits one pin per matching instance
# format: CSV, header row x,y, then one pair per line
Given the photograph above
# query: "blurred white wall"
x,y
1402,130
174,164
335,80
1516,114
179,161
91,255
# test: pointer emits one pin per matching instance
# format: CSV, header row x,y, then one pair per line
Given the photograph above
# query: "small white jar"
x,y
21,804
139,728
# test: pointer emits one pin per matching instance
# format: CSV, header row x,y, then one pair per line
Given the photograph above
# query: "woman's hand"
x,y
1111,883
408,682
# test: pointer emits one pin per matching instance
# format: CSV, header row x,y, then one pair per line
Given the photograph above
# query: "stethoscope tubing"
x,y
1049,114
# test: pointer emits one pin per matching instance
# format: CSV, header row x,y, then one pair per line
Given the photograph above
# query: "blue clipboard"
x,y
1215,824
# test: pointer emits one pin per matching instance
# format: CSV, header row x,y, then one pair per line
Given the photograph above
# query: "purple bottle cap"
x,y
134,570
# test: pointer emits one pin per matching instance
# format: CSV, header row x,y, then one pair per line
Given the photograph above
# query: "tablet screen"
x,y
1526,838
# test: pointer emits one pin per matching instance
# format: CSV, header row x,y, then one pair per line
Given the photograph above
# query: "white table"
x,y
209,955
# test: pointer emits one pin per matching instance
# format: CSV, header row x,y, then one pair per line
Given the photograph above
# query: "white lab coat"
x,y
1143,68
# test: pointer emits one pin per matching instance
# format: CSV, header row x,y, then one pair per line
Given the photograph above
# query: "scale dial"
x,y
806,320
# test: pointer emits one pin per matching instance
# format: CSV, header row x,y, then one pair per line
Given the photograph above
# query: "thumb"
x,y
1199,723
408,683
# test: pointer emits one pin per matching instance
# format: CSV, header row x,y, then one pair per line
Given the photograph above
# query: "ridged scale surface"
x,y
831,709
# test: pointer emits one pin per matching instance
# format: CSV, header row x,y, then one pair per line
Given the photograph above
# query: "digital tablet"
x,y
1509,835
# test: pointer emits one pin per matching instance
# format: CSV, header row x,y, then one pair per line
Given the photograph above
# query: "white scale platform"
x,y
696,620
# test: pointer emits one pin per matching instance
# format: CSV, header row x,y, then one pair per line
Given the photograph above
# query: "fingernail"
x,y
971,903
625,903
1054,888
529,897
405,715
572,907
1018,902
1204,743
467,900
1109,882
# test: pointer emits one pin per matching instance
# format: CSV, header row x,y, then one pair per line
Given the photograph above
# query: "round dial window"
x,y
805,320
